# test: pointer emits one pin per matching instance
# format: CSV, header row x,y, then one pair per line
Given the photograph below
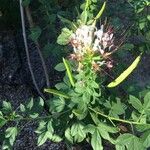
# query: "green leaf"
x,y
127,46
146,139
3,121
61,86
69,73
146,104
34,115
94,85
104,131
57,105
130,141
50,127
22,108
142,25
86,97
7,106
94,1
148,17
55,138
120,147
96,141
135,102
60,67
55,92
84,17
107,128
30,104
142,128
11,133
43,138
117,109
126,73
64,37
77,132
79,113
41,127
35,33
68,135
90,128
95,118
41,103
67,22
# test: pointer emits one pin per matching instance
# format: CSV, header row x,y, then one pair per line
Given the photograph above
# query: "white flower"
x,y
90,37
99,33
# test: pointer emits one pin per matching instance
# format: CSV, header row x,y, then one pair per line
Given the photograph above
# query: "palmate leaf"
x,y
77,132
126,73
90,128
142,108
146,139
107,128
68,135
57,105
96,140
117,108
136,103
11,134
130,141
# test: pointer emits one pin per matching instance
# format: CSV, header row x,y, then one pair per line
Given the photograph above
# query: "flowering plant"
x,y
82,108
92,114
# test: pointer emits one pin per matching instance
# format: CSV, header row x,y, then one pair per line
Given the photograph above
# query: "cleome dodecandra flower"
x,y
88,40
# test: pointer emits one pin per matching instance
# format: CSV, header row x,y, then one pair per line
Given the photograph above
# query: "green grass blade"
x,y
69,73
58,93
126,73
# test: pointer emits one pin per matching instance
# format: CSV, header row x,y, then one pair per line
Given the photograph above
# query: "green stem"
x,y
141,116
39,118
117,119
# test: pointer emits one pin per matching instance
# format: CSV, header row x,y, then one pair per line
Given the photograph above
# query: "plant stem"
x,y
27,50
40,118
31,23
117,119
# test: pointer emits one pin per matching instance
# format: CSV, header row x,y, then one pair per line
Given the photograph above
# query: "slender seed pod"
x,y
126,73
69,73
58,93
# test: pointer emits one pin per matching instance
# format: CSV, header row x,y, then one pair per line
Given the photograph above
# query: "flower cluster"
x,y
97,41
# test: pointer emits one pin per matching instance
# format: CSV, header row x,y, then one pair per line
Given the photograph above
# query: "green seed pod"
x,y
126,73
